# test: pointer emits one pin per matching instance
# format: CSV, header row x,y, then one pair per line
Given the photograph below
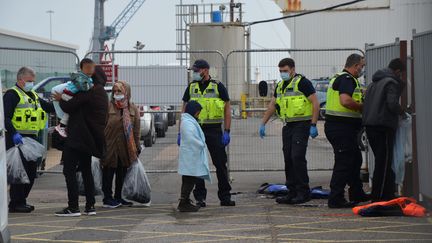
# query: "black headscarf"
x,y
99,76
192,107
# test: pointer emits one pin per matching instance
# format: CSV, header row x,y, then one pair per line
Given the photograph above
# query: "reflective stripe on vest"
x,y
29,117
213,107
333,105
293,105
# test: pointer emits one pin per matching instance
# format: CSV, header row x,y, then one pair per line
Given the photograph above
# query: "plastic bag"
x,y
16,173
97,178
401,149
136,186
31,149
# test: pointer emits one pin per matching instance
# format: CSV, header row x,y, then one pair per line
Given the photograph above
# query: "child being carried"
x,y
80,82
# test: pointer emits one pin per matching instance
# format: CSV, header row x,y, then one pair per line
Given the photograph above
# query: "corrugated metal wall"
x,y
378,57
422,48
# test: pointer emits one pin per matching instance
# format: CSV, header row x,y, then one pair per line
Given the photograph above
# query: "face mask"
x,y
285,76
196,76
28,86
119,97
361,73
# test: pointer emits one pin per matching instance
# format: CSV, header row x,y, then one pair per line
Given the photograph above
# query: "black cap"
x,y
200,64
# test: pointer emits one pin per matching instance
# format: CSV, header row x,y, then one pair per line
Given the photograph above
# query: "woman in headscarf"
x,y
122,143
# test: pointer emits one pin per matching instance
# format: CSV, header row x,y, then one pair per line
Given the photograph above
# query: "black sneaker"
x,y
90,210
124,202
186,206
111,203
32,208
201,203
68,212
20,209
227,203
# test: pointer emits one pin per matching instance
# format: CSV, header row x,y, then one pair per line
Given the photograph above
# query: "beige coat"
x,y
115,137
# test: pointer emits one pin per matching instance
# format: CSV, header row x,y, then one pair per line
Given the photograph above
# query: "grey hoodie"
x,y
381,105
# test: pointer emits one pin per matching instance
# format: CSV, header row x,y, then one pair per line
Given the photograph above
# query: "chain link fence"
x,y
46,63
158,82
247,152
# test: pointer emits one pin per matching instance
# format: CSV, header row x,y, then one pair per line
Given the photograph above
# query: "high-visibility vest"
x,y
29,117
293,104
409,206
333,105
213,107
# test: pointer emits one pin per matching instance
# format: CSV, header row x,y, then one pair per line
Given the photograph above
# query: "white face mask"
x,y
196,76
119,97
28,86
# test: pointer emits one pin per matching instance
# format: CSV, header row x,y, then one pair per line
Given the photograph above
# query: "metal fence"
x,y
158,83
46,63
156,77
422,56
247,152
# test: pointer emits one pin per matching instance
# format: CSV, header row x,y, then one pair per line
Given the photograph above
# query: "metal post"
x,y
112,61
232,5
248,59
50,12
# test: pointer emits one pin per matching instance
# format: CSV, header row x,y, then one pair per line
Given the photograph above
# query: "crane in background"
x,y
102,33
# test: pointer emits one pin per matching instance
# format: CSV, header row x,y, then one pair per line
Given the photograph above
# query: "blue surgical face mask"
x,y
285,75
28,86
196,76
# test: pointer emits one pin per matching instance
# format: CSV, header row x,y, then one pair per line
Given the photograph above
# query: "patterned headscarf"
x,y
127,124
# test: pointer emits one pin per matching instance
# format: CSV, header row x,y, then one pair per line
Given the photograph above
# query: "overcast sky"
x,y
154,23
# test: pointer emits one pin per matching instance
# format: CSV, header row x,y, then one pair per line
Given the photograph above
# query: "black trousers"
x,y
218,155
348,160
188,183
295,137
19,192
381,140
107,180
72,160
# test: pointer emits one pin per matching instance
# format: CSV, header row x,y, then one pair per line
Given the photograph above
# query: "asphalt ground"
x,y
256,218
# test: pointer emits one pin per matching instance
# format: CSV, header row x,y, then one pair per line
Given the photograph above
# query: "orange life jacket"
x,y
408,205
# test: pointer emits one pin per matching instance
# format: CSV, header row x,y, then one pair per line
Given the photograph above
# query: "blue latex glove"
x,y
226,138
262,131
313,131
17,139
178,139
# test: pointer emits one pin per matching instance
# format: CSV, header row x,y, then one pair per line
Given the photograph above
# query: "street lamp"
x,y
138,46
50,12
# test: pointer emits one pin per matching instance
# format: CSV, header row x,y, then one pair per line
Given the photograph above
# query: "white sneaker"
x,y
61,130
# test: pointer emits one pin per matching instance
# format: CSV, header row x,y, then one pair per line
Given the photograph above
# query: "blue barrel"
x,y
217,17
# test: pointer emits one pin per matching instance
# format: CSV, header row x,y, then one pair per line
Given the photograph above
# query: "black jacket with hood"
x,y
381,105
88,112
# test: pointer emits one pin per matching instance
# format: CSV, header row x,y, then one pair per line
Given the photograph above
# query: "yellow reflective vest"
x,y
333,105
292,104
29,117
213,107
